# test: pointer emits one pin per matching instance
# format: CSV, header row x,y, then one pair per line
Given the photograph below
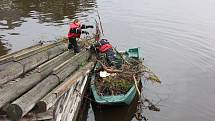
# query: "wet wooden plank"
x,y
69,104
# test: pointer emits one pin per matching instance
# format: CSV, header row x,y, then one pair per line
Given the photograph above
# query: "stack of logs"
x,y
42,78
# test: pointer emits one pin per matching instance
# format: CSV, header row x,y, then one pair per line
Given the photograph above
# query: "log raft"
x,y
37,79
14,65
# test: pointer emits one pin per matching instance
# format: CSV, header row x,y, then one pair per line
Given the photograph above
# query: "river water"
x,y
176,36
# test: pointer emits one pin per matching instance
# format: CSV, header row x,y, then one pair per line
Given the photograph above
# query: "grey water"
x,y
176,37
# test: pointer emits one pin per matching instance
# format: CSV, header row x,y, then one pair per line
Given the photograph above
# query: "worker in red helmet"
x,y
75,32
103,46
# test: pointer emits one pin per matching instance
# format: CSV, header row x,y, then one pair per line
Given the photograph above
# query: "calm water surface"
x,y
176,36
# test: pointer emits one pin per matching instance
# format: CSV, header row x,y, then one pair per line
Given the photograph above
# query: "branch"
x,y
136,84
110,70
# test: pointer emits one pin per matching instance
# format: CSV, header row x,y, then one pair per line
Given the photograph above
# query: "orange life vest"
x,y
104,48
74,35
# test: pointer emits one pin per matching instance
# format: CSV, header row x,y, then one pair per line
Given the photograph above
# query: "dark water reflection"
x,y
115,113
24,22
92,111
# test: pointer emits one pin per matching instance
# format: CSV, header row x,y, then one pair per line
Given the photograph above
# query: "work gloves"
x,y
89,26
85,32
86,27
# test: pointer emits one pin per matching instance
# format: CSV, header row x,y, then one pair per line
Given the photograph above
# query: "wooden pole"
x,y
100,22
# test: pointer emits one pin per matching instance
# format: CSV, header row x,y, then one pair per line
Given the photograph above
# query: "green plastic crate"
x,y
133,53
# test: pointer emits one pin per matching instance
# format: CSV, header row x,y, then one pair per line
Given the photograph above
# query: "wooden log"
x,y
11,92
26,102
43,48
24,61
56,50
9,71
48,67
63,70
35,58
29,50
46,116
33,61
9,57
50,99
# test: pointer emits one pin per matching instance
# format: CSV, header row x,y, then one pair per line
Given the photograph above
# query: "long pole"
x,y
100,22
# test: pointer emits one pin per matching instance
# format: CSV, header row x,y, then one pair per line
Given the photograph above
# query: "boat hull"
x,y
123,99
